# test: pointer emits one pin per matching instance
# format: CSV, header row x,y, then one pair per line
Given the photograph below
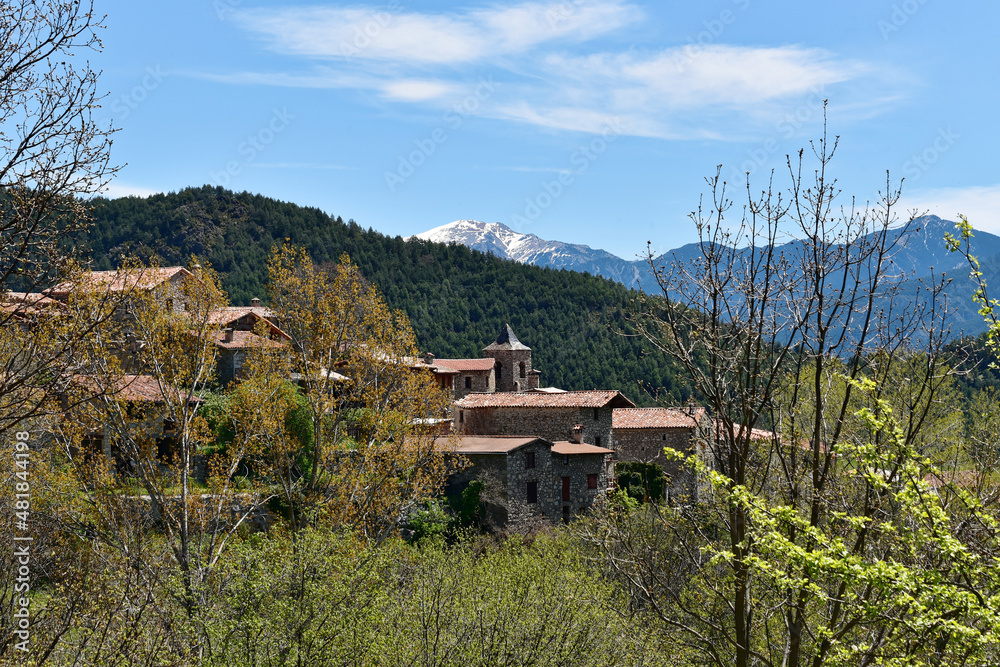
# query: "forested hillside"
x,y
457,299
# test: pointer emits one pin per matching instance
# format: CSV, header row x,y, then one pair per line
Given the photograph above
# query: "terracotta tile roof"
x,y
29,298
232,313
244,339
598,398
116,281
756,434
466,364
566,447
626,418
494,444
418,363
132,388
958,478
24,304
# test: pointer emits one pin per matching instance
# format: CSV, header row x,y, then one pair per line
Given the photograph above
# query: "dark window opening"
x,y
597,440
499,373
597,414
522,370
529,459
565,513
592,480
565,493
461,417
468,382
532,492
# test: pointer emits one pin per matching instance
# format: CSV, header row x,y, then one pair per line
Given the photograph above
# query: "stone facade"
x,y
464,376
549,423
552,416
642,434
504,367
512,362
468,382
531,481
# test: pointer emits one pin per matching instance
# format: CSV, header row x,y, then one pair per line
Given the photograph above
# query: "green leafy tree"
x,y
820,540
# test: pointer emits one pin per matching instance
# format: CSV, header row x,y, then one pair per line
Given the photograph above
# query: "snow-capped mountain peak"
x,y
498,239
491,237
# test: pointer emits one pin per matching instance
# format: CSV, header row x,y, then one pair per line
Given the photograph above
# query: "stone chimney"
x,y
428,358
255,302
577,435
229,335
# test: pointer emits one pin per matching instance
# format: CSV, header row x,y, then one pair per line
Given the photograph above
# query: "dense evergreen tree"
x,y
456,298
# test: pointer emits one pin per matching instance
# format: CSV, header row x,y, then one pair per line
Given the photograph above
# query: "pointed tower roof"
x,y
507,340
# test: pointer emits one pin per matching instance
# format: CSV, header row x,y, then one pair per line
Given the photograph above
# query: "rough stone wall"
x,y
549,423
482,382
229,365
509,361
171,289
577,467
521,513
533,379
491,470
225,370
506,478
647,445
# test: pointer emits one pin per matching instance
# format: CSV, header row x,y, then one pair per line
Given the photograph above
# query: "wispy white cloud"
x,y
416,90
551,75
980,204
449,38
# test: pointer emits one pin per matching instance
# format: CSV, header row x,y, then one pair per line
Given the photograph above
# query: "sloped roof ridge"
x,y
507,340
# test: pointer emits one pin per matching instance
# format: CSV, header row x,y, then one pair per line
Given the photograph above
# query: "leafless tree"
x,y
790,319
53,155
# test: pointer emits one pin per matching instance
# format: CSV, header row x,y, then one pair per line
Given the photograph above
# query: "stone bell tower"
x,y
512,362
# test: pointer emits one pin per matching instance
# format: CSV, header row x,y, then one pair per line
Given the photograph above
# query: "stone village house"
x,y
548,453
553,416
236,323
530,480
642,434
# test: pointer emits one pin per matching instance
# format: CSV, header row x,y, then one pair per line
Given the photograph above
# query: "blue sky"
x,y
586,121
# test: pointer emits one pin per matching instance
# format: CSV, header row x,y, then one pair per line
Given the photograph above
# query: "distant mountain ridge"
x,y
498,239
919,255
